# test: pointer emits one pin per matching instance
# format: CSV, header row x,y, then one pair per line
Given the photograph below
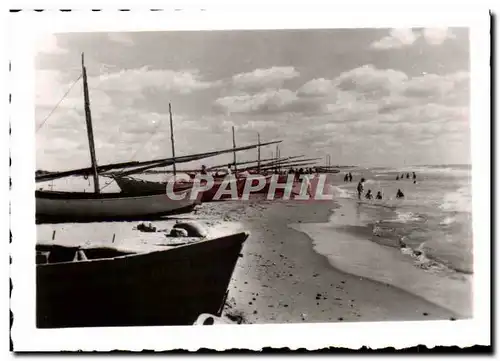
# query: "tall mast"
x,y
90,133
276,159
172,136
258,153
234,153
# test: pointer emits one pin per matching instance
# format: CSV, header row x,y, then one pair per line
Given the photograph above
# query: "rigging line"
x,y
137,152
59,102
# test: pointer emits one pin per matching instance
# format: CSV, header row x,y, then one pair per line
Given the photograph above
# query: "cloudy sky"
x,y
371,97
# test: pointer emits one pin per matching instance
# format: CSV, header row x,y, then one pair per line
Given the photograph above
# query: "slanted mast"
x,y
90,133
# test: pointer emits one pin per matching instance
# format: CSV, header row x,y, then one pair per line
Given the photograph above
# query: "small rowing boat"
x,y
108,286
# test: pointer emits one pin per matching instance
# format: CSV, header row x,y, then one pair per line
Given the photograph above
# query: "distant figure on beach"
x,y
400,194
379,195
369,194
350,177
397,177
346,177
203,169
360,187
407,175
414,176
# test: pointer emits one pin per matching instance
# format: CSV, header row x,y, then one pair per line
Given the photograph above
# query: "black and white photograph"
x,y
295,176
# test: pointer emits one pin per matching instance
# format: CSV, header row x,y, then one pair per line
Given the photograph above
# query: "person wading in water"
x,y
360,187
369,194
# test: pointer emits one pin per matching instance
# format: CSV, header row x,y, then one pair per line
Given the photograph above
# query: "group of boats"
x,y
113,286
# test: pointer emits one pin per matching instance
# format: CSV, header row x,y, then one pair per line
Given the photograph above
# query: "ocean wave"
x,y
447,221
458,170
341,192
405,217
458,201
421,255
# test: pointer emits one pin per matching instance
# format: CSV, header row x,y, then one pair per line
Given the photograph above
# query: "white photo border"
x,y
23,29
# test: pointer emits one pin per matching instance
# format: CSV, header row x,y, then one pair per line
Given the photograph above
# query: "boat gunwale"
x,y
132,254
67,195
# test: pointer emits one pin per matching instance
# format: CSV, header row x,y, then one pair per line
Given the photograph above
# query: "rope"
x,y
59,102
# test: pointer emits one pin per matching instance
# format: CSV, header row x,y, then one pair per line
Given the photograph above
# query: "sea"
x,y
421,243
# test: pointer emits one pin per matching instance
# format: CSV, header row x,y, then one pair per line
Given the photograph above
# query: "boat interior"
x,y
55,253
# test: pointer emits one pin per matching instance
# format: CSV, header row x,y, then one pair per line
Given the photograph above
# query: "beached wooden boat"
x,y
134,186
119,287
56,207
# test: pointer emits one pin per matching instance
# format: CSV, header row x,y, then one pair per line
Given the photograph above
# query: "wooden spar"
x,y
277,158
258,153
172,136
150,163
191,158
292,164
288,163
90,133
273,160
215,167
234,153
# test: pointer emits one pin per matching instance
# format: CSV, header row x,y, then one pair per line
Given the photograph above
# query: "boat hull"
x,y
134,186
82,207
168,287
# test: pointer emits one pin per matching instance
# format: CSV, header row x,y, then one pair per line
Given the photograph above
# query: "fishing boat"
x,y
134,186
104,286
56,206
60,207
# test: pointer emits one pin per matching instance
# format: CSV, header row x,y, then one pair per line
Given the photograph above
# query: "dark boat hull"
x,y
167,287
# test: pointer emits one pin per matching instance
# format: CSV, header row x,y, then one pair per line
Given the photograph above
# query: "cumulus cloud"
x,y
264,78
352,96
436,36
116,89
359,108
268,101
136,80
368,114
371,81
316,88
400,38
397,38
